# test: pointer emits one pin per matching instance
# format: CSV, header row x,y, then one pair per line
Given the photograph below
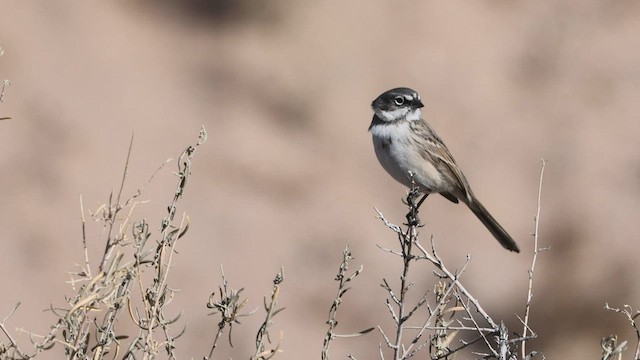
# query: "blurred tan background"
x,y
288,175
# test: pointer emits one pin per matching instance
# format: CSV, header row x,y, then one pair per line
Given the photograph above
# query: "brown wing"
x,y
436,151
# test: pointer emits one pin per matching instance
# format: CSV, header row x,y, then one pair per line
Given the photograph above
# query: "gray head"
x,y
397,104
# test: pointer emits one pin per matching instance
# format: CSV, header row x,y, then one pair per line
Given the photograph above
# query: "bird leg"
x,y
424,197
412,215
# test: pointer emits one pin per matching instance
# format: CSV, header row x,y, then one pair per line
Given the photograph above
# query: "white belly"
x,y
399,159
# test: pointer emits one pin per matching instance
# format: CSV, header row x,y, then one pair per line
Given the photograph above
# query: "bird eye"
x,y
399,100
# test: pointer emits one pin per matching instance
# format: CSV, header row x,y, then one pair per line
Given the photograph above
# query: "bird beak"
x,y
418,104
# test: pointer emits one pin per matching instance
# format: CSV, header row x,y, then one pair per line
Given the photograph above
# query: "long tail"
x,y
492,225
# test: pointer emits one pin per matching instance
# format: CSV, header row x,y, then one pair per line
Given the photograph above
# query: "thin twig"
x,y
435,259
13,344
87,267
270,308
228,307
343,280
631,316
396,302
536,250
156,297
113,212
5,83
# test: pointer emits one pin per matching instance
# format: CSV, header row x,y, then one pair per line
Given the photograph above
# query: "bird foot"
x,y
412,215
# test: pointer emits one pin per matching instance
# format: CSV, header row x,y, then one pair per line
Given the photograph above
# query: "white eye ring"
x,y
399,100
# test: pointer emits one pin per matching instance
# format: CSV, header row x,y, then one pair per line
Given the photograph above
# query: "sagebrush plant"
x,y
343,279
117,290
229,306
129,285
444,320
129,288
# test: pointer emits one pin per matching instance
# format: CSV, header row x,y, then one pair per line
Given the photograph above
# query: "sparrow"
x,y
411,152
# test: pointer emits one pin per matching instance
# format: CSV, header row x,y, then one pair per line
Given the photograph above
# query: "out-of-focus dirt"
x,y
288,175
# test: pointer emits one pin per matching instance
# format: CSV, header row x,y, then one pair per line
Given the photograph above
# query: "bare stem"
x,y
113,211
263,332
343,279
610,345
536,250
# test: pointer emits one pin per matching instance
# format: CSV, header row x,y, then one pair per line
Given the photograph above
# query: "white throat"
x,y
399,114
414,115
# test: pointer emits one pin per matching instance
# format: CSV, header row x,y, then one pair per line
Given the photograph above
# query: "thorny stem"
x,y
221,326
228,307
168,242
536,250
408,238
5,83
12,341
343,280
263,332
113,212
87,268
435,259
406,244
611,341
163,273
111,287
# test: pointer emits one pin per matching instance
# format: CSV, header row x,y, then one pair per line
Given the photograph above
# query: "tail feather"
x,y
492,225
